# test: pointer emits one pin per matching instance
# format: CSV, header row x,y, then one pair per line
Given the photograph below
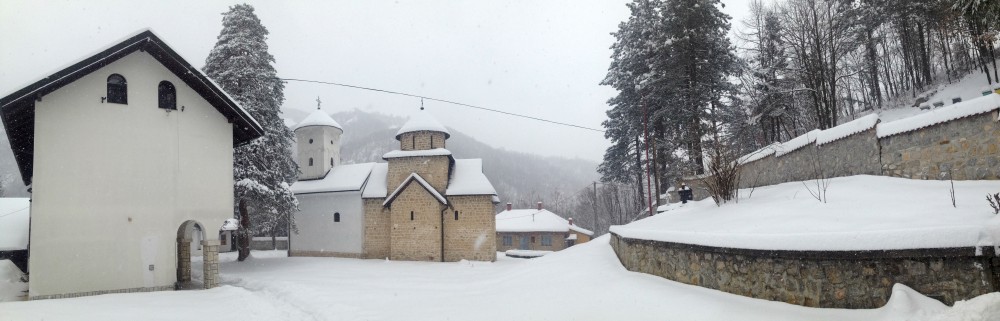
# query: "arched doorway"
x,y
191,238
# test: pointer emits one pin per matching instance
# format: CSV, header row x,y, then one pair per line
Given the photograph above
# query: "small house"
x,y
537,229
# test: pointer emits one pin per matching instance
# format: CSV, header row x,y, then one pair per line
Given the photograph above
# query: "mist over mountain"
x,y
520,178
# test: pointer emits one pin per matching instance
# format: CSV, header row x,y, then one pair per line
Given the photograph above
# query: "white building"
x,y
125,153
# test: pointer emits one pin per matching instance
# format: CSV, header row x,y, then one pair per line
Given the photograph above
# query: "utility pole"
x,y
593,204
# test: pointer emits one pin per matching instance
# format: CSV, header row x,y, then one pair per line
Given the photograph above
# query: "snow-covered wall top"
x,y
341,178
468,179
422,121
14,215
756,155
847,129
940,115
796,143
319,118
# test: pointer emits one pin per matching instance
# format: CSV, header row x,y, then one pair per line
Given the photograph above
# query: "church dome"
x,y
318,118
422,121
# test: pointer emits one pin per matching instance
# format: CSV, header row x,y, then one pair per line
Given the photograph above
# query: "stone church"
x,y
421,205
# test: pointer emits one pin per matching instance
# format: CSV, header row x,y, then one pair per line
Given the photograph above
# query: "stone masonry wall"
x,y
856,279
418,239
964,149
799,165
852,155
759,173
422,140
472,236
434,170
377,229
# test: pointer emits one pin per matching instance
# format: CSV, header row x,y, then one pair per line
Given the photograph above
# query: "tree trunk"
x,y
243,235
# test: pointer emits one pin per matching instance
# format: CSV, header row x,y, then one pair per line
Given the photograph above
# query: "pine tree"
x,y
262,169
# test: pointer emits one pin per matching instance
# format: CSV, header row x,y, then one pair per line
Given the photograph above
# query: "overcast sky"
x,y
540,58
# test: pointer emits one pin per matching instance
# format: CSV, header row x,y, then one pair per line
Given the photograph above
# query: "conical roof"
x,y
318,118
422,121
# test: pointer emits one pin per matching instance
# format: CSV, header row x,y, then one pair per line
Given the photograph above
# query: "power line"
x,y
439,100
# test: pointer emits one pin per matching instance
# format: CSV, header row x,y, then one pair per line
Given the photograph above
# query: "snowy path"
x,y
585,282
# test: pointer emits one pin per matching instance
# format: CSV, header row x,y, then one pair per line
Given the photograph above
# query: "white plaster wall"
x,y
135,170
318,231
320,150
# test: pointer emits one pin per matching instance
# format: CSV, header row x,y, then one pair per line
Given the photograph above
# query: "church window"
x,y
310,161
167,95
331,161
456,215
432,141
546,240
310,140
413,142
331,142
117,89
411,215
336,217
508,240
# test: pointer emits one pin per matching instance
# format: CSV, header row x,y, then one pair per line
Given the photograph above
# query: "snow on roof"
x,y
571,237
415,177
339,179
413,153
230,224
847,129
758,154
318,118
468,179
376,187
971,107
864,212
289,123
422,121
14,216
796,143
578,229
532,220
526,253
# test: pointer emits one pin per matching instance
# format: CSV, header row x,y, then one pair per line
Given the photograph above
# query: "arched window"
x,y
432,141
331,161
117,89
413,142
411,215
310,161
310,140
456,215
168,95
336,217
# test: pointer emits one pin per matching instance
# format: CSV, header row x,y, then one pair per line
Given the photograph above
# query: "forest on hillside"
x,y
690,95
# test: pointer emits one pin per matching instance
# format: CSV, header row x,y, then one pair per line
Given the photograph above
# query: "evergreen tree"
x,y
262,169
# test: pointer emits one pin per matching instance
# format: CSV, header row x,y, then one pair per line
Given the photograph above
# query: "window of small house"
x,y
117,89
310,161
167,95
336,217
508,240
546,240
532,239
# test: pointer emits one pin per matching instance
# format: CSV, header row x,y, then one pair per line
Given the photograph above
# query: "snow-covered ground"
x,y
585,282
861,213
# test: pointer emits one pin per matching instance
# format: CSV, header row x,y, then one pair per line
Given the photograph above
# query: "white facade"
x,y
319,231
318,148
135,170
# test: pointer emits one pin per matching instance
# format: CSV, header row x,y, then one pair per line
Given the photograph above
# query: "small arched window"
x,y
168,95
413,142
411,215
331,161
336,217
310,161
456,215
117,89
432,141
310,140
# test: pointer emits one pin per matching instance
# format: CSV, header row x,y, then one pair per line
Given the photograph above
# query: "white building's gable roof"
x,y
414,177
339,179
422,121
532,220
14,216
318,118
467,178
376,187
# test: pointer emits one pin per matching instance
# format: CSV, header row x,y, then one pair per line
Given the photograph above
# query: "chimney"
x,y
508,206
570,221
539,206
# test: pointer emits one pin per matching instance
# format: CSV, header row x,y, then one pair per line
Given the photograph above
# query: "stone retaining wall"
x,y
827,279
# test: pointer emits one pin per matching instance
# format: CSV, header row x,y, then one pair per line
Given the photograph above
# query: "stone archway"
x,y
189,231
